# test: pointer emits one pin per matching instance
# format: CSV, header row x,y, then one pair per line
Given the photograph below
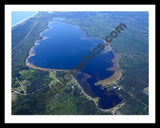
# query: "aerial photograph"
x,y
79,63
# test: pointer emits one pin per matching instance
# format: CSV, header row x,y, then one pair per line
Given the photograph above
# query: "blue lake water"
x,y
19,16
63,48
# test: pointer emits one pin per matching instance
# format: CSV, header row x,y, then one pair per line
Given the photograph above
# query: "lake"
x,y
63,46
20,16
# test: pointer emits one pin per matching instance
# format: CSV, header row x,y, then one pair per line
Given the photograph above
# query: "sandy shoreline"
x,y
32,53
117,73
115,77
40,68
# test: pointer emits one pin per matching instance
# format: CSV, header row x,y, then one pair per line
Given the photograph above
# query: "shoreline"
x,y
107,48
41,68
117,73
23,20
95,100
115,77
32,53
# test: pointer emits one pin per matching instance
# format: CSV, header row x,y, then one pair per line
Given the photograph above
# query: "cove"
x,y
62,47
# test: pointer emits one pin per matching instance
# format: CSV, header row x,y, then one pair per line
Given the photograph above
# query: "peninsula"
x,y
117,74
